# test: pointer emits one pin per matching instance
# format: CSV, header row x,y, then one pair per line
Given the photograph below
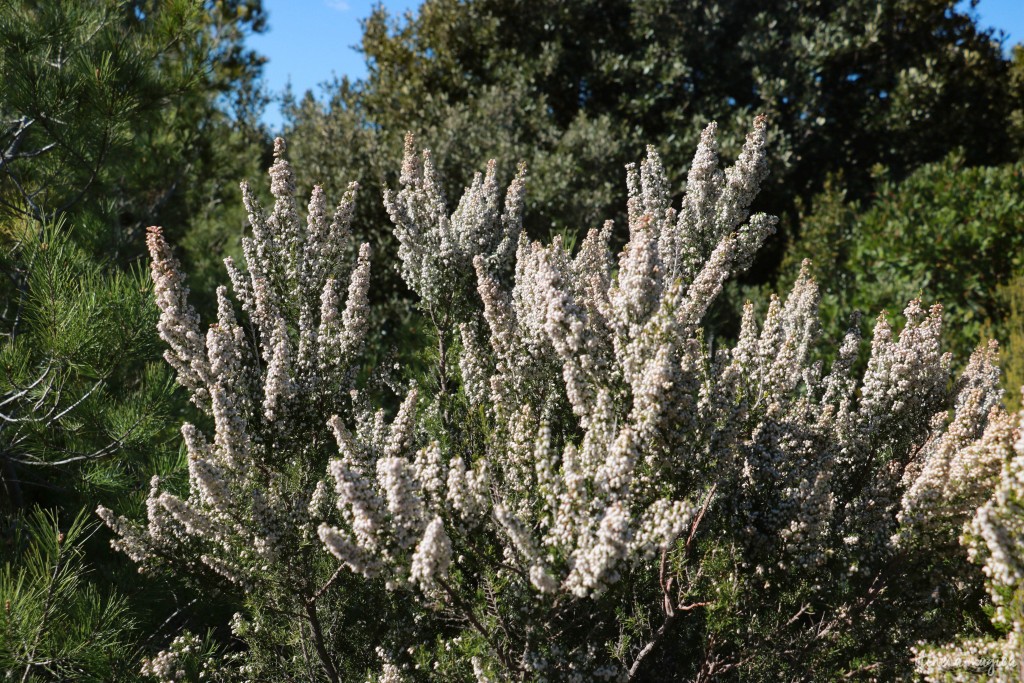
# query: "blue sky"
x,y
309,41
1007,15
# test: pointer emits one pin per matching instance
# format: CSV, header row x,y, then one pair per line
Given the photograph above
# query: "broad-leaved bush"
x,y
948,232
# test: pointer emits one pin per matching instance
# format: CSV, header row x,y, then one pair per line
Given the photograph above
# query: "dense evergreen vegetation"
x,y
893,147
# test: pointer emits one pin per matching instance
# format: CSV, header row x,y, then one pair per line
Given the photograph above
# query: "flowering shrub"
x,y
993,539
268,385
582,489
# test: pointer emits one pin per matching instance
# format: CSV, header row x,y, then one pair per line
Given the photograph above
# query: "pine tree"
x,y
57,623
84,402
103,102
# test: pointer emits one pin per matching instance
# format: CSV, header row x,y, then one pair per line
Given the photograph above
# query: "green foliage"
x,y
1011,297
1016,93
948,234
577,88
116,115
57,624
127,113
79,373
76,79
88,414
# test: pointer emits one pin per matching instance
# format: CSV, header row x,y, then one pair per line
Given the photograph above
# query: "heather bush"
x,y
268,385
582,487
993,539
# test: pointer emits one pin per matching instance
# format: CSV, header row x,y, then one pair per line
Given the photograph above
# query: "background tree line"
x,y
895,139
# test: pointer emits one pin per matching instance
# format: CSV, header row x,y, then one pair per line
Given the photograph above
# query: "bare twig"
x,y
324,588
319,644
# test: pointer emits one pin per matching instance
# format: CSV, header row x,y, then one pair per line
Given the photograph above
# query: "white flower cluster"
x,y
251,487
953,472
609,419
591,451
188,658
826,467
389,499
598,510
975,660
437,249
168,665
994,538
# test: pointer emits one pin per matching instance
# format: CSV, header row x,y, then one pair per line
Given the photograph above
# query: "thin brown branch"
x,y
319,644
